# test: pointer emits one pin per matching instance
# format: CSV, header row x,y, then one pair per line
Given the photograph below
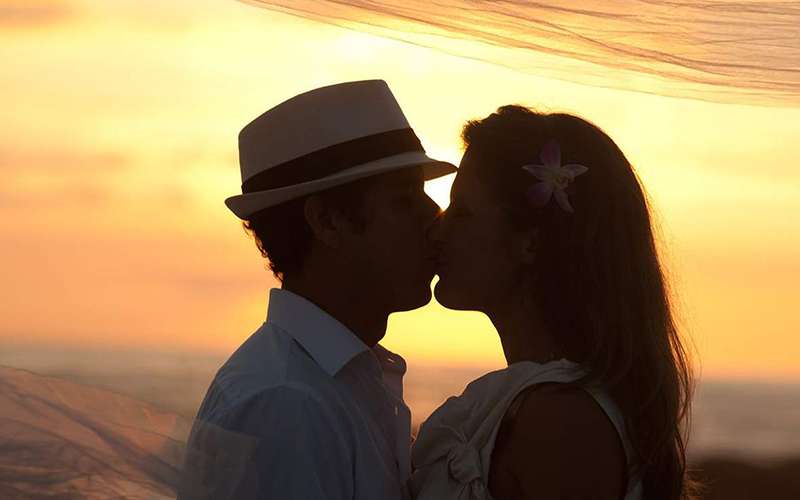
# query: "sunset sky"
x,y
119,123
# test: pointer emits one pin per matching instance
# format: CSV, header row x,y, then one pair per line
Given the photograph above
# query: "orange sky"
x,y
119,144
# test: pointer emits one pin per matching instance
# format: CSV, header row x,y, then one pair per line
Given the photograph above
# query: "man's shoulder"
x,y
269,368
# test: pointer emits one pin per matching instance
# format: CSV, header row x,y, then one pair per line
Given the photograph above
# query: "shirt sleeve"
x,y
301,450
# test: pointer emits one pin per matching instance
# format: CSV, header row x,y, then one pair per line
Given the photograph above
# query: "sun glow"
x,y
119,148
439,190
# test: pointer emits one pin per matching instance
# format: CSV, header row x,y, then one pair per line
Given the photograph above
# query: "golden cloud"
x,y
33,13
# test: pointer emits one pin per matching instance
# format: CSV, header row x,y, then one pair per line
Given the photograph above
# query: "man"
x,y
311,406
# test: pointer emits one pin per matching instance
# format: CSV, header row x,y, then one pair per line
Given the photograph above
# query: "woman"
x,y
549,234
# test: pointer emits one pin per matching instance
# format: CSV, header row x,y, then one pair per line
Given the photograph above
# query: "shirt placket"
x,y
393,369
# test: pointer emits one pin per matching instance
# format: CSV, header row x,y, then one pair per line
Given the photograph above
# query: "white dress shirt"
x,y
327,411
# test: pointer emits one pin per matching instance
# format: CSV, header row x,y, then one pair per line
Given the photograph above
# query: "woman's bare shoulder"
x,y
561,444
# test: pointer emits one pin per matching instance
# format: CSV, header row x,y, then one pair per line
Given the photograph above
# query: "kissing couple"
x,y
548,233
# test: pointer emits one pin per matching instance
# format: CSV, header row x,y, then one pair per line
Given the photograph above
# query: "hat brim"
x,y
245,205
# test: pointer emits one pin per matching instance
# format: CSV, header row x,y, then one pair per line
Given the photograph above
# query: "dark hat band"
x,y
333,159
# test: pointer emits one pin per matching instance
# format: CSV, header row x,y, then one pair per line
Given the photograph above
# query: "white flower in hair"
x,y
554,177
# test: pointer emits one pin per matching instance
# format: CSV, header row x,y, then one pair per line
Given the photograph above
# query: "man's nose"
x,y
429,209
432,205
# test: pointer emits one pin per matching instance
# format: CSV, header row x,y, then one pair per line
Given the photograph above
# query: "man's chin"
x,y
420,299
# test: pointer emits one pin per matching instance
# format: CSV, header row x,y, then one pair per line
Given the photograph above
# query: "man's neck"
x,y
350,307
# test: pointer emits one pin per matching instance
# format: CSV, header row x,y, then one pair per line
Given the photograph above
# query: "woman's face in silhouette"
x,y
479,253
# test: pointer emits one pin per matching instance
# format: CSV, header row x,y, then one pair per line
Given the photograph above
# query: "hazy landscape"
x,y
745,434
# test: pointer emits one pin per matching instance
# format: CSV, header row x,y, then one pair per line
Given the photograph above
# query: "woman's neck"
x,y
523,334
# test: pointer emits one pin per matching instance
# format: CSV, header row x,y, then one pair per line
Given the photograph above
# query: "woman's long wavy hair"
x,y
597,280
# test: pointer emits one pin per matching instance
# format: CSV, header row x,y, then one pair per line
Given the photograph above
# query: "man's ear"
x,y
325,223
320,219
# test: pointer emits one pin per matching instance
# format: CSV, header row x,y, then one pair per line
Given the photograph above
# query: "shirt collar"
x,y
331,344
389,361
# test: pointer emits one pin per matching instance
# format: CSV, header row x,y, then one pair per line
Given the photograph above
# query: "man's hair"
x,y
282,234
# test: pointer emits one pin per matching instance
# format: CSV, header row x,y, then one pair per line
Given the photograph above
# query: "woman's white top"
x,y
452,453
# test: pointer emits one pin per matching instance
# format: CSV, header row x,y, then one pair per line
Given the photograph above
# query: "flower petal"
x,y
539,194
563,200
541,172
551,154
575,170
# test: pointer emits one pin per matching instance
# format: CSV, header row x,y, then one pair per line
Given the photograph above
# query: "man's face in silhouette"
x,y
392,259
